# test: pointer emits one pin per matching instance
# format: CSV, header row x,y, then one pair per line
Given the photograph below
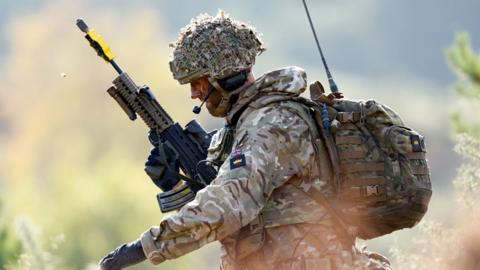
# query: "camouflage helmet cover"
x,y
215,46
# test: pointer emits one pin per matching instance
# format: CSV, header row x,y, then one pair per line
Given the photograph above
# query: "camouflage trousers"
x,y
304,247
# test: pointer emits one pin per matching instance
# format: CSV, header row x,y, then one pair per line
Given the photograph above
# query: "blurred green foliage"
x,y
466,63
455,247
35,256
10,247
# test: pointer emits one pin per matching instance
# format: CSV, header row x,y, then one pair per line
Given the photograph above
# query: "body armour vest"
x,y
289,203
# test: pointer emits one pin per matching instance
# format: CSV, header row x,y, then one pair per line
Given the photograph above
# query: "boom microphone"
x,y
197,109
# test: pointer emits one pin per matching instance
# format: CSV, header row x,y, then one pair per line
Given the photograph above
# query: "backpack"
x,y
381,179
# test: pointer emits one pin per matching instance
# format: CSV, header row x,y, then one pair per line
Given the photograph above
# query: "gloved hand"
x,y
123,256
157,170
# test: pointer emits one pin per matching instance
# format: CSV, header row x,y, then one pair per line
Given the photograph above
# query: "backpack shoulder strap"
x,y
259,102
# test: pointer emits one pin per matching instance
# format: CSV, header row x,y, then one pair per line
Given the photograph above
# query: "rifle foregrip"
x,y
143,103
113,92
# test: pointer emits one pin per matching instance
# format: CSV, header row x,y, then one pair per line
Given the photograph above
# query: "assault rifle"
x,y
187,146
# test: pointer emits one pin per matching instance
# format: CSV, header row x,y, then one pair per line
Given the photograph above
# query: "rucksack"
x,y
381,179
384,181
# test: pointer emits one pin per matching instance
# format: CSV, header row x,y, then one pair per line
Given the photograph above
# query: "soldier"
x,y
258,206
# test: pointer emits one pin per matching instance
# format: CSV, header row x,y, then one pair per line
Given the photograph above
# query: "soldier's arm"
x,y
272,144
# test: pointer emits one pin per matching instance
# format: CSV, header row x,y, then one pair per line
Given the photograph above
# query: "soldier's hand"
x,y
157,162
123,256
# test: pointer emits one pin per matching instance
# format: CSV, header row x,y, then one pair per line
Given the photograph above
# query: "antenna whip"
x,y
333,86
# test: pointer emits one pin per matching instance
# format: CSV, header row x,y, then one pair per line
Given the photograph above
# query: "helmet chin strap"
x,y
222,108
228,89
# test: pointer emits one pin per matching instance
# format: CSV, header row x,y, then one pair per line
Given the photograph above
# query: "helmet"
x,y
217,47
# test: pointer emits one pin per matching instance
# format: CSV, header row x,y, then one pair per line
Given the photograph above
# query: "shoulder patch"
x,y
237,159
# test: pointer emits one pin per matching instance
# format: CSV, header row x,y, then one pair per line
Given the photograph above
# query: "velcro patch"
x,y
418,144
237,161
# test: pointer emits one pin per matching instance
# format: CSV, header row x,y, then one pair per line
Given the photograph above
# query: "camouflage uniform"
x,y
257,207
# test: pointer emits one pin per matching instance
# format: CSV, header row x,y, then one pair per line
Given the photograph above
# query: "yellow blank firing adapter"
x,y
96,41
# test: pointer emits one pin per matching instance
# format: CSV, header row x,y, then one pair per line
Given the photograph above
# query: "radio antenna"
x,y
331,82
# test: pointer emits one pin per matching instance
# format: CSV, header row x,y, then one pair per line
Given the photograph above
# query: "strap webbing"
x,y
364,192
347,126
415,155
365,181
345,154
363,167
348,140
420,170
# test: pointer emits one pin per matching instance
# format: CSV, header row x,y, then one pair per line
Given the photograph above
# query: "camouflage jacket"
x,y
257,200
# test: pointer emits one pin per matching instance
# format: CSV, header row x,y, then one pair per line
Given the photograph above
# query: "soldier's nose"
x,y
194,93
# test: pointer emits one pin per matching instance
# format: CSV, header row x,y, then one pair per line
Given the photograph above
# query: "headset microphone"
x,y
197,109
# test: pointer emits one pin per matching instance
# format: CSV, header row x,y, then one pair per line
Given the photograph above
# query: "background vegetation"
x,y
72,185
455,246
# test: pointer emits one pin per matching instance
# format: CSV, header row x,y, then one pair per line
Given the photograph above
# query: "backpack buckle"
x,y
352,117
363,114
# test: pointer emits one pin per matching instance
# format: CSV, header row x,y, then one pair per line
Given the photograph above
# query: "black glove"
x,y
155,167
123,256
